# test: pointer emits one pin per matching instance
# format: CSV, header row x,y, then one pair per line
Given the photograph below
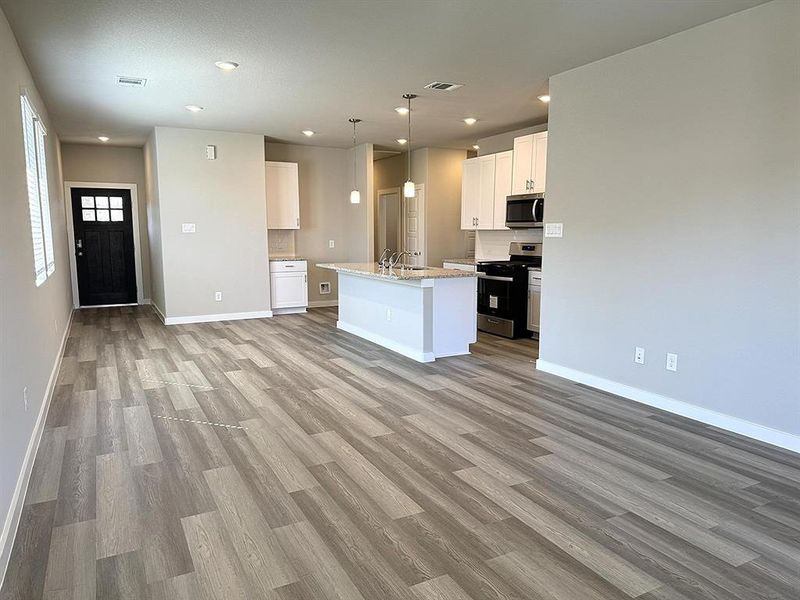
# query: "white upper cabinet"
x,y
283,195
485,215
470,192
477,193
503,167
539,175
523,162
485,183
530,163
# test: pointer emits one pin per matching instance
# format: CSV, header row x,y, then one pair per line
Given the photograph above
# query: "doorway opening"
x,y
103,233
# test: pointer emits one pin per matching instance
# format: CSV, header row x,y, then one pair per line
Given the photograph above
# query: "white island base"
x,y
423,319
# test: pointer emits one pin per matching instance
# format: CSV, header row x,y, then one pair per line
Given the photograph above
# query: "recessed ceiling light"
x,y
476,147
193,108
470,120
226,65
401,110
402,141
308,132
102,138
544,98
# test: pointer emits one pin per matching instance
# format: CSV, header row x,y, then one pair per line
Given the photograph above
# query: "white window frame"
x,y
33,134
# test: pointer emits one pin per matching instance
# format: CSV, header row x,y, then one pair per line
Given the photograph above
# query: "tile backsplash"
x,y
281,243
493,245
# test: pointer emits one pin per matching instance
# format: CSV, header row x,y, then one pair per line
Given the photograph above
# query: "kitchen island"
x,y
423,313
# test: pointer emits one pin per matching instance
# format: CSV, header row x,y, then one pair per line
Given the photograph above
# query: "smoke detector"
x,y
443,86
131,81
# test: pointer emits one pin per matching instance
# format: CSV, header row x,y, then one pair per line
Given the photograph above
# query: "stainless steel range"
x,y
503,290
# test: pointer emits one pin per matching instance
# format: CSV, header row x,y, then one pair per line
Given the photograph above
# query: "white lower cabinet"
x,y
288,286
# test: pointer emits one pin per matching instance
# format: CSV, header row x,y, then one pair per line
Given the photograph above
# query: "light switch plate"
x,y
553,230
188,228
211,152
331,244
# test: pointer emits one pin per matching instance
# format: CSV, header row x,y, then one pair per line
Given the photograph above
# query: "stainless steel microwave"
x,y
524,211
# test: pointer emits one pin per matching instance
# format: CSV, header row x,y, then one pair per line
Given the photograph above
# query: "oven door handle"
x,y
494,277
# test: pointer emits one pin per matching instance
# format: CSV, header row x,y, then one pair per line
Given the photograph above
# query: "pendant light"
x,y
408,187
355,195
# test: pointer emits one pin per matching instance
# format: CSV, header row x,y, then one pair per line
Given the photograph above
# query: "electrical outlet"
x,y
25,397
331,244
672,361
388,314
638,355
218,296
325,287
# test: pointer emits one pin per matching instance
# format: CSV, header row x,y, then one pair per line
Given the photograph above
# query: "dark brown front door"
x,y
103,225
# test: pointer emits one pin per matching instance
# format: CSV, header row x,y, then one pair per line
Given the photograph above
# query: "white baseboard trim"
x,y
159,314
289,311
775,437
259,314
146,301
386,342
323,303
11,522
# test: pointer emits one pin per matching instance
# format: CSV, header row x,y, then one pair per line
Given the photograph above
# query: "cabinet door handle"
x,y
298,221
527,184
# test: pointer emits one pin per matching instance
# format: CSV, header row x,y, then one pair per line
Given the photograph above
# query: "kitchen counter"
x,y
373,270
459,261
284,258
424,315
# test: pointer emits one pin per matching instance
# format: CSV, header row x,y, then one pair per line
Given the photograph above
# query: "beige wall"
x,y
675,168
505,141
443,206
225,199
326,178
439,170
32,319
112,164
153,224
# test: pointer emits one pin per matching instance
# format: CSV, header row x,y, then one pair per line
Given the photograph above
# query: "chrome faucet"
x,y
382,259
393,264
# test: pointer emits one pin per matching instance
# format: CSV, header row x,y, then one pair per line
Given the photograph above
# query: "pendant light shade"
x,y
355,195
409,190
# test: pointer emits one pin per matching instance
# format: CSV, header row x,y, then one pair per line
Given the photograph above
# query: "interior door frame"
x,y
137,253
399,192
419,194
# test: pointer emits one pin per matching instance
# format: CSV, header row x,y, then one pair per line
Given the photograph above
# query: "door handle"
x,y
494,277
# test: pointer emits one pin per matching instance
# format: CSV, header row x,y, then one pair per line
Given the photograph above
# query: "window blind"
x,y
44,196
34,203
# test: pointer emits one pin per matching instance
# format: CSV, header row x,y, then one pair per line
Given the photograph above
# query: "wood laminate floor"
x,y
284,459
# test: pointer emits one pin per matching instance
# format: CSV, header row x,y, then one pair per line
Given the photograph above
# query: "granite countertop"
x,y
284,258
373,270
460,261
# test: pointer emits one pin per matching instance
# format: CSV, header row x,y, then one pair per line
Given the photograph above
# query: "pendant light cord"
x,y
353,120
409,137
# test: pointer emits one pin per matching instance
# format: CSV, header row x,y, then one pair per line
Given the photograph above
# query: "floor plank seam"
x,y
225,425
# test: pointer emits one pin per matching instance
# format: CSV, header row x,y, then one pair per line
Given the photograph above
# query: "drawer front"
x,y
288,266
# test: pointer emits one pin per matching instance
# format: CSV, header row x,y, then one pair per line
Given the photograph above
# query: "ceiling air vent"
x,y
442,86
131,81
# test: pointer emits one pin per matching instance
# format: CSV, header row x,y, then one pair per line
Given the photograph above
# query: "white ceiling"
x,y
311,64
